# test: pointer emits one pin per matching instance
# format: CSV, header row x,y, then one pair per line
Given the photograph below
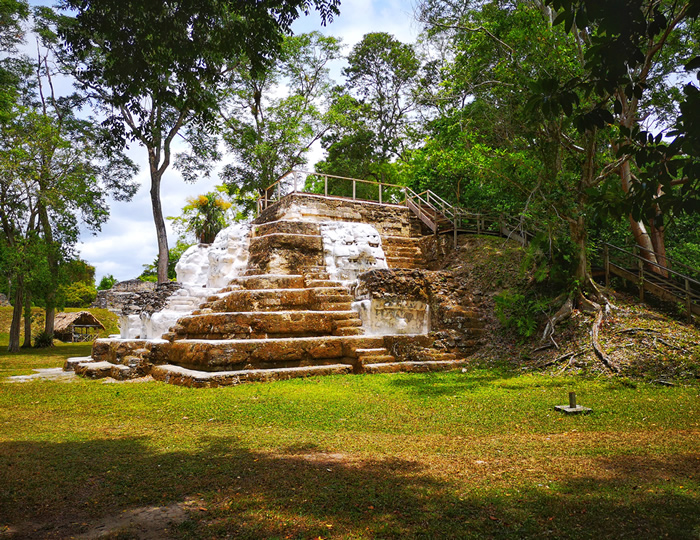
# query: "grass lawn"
x,y
480,454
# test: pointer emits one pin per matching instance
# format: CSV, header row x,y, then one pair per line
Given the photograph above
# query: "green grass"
x,y
23,362
452,455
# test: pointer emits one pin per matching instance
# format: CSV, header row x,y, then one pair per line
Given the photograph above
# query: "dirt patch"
x,y
144,523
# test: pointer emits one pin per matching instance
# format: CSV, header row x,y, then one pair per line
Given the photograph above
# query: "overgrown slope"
x,y
645,342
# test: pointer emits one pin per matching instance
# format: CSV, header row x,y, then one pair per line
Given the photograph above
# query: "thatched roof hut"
x,y
77,326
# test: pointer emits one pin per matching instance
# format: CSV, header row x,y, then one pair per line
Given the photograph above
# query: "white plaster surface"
x,y
350,249
390,316
203,270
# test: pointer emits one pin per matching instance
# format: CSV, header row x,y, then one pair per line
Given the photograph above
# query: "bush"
x,y
106,283
43,340
78,294
518,312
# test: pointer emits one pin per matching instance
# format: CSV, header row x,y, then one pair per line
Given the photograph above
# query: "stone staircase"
x,y
403,252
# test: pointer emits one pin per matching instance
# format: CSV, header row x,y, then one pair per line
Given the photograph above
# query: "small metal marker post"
x,y
572,407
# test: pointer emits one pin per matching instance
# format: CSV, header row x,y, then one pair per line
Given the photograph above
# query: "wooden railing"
x,y
435,212
662,281
442,217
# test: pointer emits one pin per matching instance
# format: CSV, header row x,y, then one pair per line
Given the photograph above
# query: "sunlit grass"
x,y
472,454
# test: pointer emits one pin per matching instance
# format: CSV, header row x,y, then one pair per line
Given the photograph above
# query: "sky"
x,y
128,240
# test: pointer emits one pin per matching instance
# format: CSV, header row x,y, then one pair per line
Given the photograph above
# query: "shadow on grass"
x,y
448,383
304,493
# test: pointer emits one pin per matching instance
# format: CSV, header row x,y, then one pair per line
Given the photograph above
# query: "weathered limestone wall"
x,y
124,295
389,220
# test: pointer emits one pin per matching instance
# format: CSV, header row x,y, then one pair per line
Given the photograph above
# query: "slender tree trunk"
x,y
161,232
579,236
16,323
27,321
51,253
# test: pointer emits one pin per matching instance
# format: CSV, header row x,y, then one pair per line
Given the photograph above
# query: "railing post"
x,y
380,193
641,275
687,301
354,189
325,185
454,225
606,264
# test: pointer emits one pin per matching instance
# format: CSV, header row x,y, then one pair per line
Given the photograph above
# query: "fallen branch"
x,y
636,330
544,347
669,345
566,356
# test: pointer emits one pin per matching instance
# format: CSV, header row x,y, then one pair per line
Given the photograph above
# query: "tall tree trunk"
x,y
579,236
161,232
27,321
639,231
16,323
52,260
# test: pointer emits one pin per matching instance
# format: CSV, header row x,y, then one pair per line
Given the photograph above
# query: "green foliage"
x,y
273,116
106,283
550,258
150,271
77,294
43,340
203,216
519,312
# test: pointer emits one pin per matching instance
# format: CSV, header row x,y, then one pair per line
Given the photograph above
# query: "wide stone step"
x,y
203,379
265,300
414,367
101,370
335,306
314,283
235,354
404,262
261,325
266,281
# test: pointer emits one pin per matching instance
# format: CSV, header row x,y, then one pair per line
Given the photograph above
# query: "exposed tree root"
x,y
636,330
564,312
600,308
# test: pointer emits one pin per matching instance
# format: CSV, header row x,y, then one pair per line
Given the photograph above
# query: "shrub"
x,y
517,311
43,340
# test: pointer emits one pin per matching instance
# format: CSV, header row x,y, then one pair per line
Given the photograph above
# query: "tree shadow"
x,y
447,383
56,490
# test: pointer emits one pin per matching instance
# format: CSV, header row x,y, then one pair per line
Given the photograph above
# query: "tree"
x,y
272,117
203,216
107,282
150,271
635,52
158,67
56,174
382,72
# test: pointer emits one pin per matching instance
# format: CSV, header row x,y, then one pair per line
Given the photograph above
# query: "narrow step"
x,y
414,367
349,331
201,379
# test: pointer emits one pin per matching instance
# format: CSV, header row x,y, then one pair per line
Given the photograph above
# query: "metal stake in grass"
x,y
572,407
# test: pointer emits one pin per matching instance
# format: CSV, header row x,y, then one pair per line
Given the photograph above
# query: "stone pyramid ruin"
x,y
315,285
